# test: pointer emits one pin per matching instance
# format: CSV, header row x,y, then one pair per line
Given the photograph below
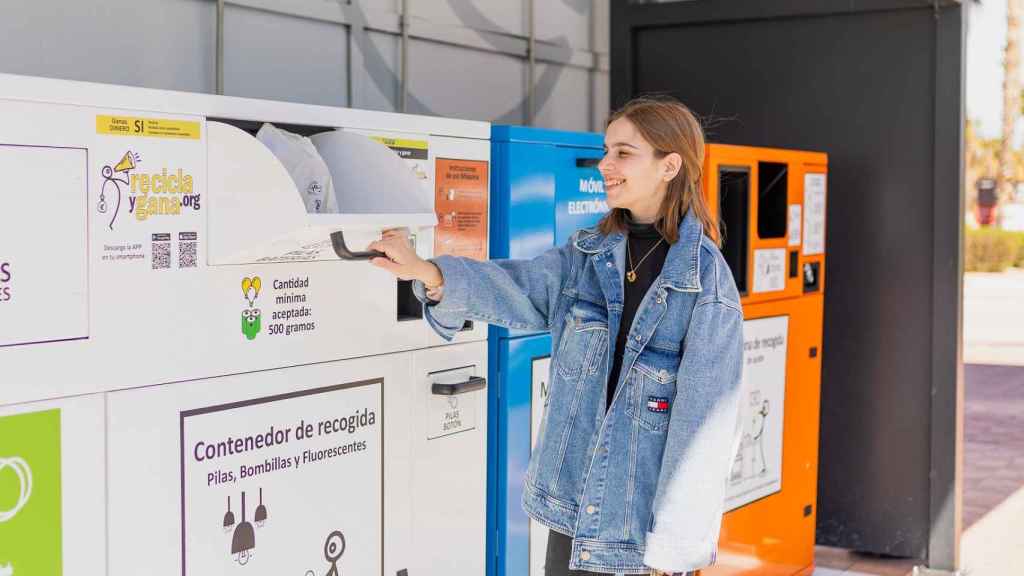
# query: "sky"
x,y
986,36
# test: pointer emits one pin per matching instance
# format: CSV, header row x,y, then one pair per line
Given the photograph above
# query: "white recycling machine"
x,y
200,373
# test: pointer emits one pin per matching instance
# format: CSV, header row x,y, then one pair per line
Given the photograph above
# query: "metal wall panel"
x,y
331,52
505,17
602,101
152,43
281,57
463,83
381,86
602,26
564,101
565,23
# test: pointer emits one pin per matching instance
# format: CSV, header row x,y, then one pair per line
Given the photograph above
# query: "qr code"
x,y
186,254
161,255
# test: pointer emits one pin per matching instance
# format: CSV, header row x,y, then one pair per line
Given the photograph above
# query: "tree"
x,y
1011,101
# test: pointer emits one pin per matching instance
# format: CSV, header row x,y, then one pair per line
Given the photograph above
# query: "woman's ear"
x,y
670,166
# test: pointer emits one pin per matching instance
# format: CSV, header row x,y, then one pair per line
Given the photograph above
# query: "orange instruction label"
x,y
461,205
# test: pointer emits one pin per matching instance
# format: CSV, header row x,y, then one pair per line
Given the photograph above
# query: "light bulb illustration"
x,y
261,512
229,517
243,541
251,318
251,289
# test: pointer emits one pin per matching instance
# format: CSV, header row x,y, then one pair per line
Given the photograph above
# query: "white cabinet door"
x,y
52,491
283,471
449,506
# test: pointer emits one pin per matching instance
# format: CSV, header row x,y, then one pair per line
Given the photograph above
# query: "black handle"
x,y
338,241
587,162
472,384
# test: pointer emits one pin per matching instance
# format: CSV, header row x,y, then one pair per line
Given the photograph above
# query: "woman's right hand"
x,y
402,260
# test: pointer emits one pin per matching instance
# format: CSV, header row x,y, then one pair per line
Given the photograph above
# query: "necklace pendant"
x,y
631,276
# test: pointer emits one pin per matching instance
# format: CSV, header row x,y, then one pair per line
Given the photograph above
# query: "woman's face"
x,y
634,177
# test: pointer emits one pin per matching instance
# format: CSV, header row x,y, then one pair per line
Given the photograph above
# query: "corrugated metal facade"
x,y
466,58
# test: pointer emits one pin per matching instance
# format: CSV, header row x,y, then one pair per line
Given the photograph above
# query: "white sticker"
x,y
451,414
285,484
757,468
794,224
814,214
769,270
538,532
43,251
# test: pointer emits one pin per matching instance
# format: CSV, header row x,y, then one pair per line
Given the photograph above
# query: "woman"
x,y
641,420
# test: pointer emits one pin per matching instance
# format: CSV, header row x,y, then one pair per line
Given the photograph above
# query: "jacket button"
x,y
584,555
638,338
663,374
591,509
609,264
660,300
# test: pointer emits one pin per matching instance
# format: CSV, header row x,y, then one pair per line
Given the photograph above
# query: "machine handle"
x,y
587,162
472,384
338,242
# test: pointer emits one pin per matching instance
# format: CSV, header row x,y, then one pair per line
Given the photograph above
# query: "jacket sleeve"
x,y
511,293
703,436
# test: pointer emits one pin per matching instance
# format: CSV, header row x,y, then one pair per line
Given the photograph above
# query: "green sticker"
x,y
30,504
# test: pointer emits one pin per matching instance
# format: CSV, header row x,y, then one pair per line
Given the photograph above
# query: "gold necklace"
x,y
631,274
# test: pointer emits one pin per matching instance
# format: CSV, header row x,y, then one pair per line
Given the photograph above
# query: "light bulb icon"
x,y
251,289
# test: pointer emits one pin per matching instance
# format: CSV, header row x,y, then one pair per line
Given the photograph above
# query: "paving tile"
x,y
829,557
993,437
827,572
883,566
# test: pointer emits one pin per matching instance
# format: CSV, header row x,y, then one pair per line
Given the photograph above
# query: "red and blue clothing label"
x,y
657,404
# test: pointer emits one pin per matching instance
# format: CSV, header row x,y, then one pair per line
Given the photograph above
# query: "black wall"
x,y
878,86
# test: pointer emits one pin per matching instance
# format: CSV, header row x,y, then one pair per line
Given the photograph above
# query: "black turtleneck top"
x,y
640,239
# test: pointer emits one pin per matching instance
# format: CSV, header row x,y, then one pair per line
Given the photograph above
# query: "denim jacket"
x,y
642,485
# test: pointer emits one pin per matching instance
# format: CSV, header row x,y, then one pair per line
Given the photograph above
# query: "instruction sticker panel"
x,y
461,205
147,127
147,193
769,269
814,214
287,484
757,469
794,225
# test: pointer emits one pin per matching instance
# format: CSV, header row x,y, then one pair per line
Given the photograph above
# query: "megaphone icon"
x,y
127,163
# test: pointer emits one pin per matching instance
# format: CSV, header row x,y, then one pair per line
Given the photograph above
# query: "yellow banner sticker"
x,y
147,127
401,143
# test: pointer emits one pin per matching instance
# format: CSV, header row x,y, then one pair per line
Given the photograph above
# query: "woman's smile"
x,y
613,184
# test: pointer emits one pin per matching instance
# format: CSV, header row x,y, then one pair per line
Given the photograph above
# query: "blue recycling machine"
x,y
544,186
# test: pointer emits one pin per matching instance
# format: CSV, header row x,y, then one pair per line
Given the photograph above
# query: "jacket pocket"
x,y
584,340
651,396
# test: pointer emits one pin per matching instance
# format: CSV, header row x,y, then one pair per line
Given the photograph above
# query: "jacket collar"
x,y
682,264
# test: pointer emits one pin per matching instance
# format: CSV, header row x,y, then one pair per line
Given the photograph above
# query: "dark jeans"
x,y
557,561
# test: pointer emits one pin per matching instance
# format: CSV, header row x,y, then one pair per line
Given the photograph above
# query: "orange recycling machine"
x,y
771,205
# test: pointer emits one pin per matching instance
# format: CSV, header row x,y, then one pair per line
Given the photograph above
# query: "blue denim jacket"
x,y
642,485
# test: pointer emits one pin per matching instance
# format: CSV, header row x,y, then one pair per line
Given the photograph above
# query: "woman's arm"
x,y
701,443
512,293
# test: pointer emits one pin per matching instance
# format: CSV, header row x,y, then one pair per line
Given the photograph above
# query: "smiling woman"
x,y
649,142
641,422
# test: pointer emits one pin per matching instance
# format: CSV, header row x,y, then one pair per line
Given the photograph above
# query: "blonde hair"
x,y
669,126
